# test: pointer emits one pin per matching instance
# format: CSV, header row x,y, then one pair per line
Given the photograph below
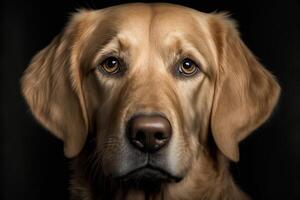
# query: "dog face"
x,y
151,83
160,72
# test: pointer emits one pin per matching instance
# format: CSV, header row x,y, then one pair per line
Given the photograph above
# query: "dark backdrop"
x,y
32,163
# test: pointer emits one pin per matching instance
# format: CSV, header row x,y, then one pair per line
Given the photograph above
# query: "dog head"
x,y
151,82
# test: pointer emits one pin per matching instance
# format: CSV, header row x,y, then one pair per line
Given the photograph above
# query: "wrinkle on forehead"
x,y
177,32
155,34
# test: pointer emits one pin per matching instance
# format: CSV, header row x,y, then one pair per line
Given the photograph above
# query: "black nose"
x,y
149,133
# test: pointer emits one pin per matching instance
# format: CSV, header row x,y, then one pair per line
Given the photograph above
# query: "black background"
x,y
32,163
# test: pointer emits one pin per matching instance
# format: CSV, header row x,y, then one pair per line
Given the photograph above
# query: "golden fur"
x,y
210,113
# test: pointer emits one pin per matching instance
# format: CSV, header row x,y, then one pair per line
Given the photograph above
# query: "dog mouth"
x,y
148,178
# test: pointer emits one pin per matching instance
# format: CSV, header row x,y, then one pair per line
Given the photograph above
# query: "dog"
x,y
150,101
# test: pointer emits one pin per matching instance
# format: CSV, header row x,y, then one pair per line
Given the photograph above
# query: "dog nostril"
x,y
140,136
159,136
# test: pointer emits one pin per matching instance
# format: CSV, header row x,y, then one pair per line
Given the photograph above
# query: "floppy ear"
x,y
52,88
245,92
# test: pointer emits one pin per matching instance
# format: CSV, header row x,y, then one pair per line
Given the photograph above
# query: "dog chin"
x,y
148,178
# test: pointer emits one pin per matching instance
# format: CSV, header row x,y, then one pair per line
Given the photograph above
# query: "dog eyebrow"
x,y
113,47
186,48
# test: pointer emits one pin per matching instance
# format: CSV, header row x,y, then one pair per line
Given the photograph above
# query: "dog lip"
x,y
162,174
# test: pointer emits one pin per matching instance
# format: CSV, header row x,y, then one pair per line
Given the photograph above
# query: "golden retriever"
x,y
150,100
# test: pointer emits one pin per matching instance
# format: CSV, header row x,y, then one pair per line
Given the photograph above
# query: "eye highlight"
x,y
110,66
187,67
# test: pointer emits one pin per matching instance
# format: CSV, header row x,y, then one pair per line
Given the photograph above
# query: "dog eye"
x,y
188,68
110,65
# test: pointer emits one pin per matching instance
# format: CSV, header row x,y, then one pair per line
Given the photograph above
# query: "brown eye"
x,y
111,65
188,67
